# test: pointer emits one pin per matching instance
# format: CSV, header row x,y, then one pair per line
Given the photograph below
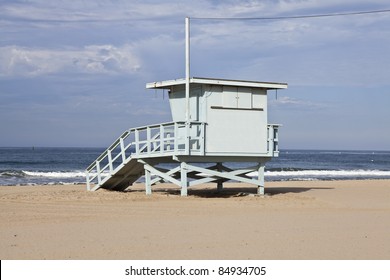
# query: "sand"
x,y
295,220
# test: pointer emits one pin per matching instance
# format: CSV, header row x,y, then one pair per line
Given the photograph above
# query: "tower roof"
x,y
211,81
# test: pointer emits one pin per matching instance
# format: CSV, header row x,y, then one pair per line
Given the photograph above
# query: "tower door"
x,y
237,97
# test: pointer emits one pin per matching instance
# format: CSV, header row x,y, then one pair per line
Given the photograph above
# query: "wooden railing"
x,y
166,139
273,140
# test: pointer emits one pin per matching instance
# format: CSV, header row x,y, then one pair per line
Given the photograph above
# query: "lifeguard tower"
x,y
214,122
228,123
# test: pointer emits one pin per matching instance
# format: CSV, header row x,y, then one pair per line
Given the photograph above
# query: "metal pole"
x,y
187,22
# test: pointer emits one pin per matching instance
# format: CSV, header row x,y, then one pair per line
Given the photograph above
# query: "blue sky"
x,y
73,73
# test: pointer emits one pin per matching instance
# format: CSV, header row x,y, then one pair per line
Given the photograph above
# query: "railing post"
x,y
110,161
99,175
187,141
175,135
270,140
168,140
148,139
276,140
202,138
136,139
122,150
162,138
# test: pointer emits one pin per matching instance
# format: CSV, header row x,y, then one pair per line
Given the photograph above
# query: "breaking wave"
x,y
58,174
24,174
332,173
326,174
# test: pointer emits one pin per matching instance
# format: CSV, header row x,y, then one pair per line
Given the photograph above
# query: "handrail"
x,y
111,147
273,139
163,139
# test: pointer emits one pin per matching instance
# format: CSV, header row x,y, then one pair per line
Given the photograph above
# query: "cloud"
x,y
116,46
93,59
122,10
295,103
98,11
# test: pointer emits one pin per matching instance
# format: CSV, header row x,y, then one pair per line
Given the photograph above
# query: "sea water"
x,y
32,166
36,166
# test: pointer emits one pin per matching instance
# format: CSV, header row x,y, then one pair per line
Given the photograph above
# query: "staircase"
x,y
118,166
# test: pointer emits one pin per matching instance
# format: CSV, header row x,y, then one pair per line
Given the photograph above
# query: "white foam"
x,y
295,174
70,174
328,173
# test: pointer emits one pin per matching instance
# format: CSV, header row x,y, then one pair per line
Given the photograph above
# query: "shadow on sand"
x,y
235,192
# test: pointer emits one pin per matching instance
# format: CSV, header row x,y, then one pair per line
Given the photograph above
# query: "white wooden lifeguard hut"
x,y
214,122
227,123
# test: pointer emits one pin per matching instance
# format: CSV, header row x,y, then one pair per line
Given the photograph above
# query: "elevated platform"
x,y
225,121
139,151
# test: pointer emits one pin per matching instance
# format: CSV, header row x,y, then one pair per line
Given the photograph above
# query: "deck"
x,y
136,152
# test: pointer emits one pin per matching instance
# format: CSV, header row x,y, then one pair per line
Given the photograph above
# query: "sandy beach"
x,y
295,220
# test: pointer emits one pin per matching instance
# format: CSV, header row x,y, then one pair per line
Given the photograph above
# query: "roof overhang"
x,y
210,81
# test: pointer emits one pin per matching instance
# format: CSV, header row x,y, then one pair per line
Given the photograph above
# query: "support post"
x,y
219,182
260,188
148,185
183,179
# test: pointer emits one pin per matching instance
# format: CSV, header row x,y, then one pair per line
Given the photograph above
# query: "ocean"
x,y
48,166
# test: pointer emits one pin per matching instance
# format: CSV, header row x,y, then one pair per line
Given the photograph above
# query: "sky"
x,y
73,73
